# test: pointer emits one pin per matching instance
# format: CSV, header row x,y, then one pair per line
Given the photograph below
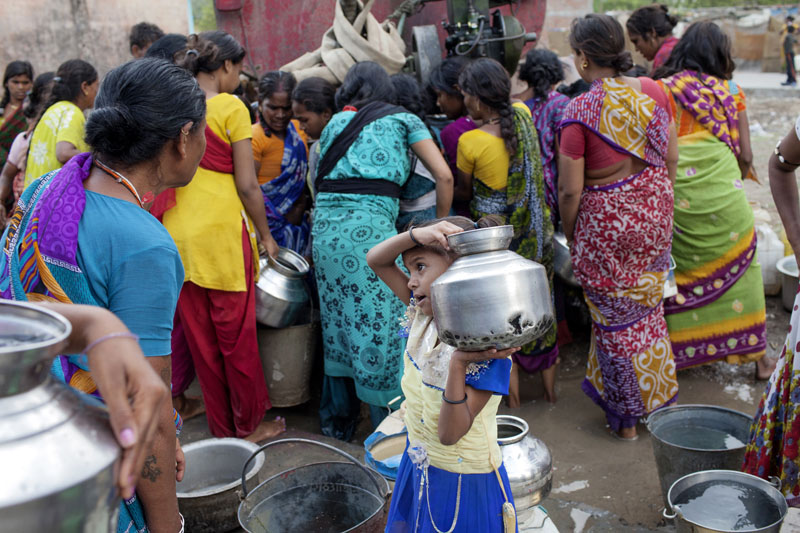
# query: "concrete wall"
x,y
48,32
558,19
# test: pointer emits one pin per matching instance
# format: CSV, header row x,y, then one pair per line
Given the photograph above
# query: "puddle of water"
x,y
571,487
742,392
579,518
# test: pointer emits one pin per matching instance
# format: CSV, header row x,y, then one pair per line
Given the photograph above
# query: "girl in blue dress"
x,y
451,477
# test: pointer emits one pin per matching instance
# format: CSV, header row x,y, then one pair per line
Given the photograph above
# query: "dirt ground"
x,y
601,484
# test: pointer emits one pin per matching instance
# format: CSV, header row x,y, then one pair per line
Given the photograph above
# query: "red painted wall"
x,y
278,31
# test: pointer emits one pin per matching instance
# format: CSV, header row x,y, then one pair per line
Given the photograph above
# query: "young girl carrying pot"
x,y
451,477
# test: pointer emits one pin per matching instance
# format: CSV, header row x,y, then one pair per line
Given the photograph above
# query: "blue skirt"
x,y
480,508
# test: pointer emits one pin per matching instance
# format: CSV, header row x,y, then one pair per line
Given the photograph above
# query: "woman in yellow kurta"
x,y
451,476
500,172
214,221
59,134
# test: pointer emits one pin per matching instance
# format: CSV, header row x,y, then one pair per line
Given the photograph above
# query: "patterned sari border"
x,y
711,288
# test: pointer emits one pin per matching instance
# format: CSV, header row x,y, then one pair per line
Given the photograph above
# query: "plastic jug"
x,y
770,250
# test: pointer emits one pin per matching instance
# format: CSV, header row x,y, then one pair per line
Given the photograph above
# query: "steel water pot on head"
x,y
56,445
490,297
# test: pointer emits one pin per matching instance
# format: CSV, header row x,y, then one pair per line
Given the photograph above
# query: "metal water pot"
x,y
280,291
528,462
56,446
490,297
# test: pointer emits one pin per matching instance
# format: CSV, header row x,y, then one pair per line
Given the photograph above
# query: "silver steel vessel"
x,y
490,297
528,462
280,291
56,446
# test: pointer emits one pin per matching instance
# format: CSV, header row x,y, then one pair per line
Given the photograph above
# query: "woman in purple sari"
x,y
542,72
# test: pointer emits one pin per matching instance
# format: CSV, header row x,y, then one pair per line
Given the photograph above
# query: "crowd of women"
x,y
638,173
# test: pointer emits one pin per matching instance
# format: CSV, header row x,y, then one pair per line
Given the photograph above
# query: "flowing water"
x,y
727,506
699,437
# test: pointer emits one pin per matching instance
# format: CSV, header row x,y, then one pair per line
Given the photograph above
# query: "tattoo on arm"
x,y
166,374
150,471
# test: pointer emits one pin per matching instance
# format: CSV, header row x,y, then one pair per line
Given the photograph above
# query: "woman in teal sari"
x,y
82,235
363,165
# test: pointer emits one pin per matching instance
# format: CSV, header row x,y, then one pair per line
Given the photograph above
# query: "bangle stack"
x,y
451,402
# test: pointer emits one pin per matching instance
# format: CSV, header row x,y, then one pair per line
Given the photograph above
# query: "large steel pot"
x,y
562,262
490,297
724,501
280,291
209,492
528,462
56,446
332,496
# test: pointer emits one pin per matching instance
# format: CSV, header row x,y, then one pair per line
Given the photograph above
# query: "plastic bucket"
x,y
685,441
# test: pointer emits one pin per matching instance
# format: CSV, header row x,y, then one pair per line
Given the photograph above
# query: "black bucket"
x,y
330,497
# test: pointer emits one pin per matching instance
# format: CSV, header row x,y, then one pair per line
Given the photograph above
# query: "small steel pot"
x,y
281,291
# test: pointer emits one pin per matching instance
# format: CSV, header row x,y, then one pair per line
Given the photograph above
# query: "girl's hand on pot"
x,y
485,355
436,234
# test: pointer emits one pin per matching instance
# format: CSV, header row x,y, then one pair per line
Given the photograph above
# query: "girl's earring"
x,y
585,65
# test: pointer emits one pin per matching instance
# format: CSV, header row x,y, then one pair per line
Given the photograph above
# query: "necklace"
x,y
495,120
125,182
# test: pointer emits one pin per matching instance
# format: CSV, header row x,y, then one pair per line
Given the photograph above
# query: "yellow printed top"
x,y
208,218
424,378
63,121
484,156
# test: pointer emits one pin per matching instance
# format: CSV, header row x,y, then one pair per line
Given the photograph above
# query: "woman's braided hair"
x,y
488,81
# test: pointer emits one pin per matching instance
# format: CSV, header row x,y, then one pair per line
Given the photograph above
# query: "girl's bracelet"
x,y
119,334
451,402
411,236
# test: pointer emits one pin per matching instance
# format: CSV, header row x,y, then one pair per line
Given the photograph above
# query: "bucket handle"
x,y
666,514
305,441
775,482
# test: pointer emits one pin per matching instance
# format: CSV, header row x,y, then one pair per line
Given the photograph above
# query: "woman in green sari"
x,y
719,311
500,171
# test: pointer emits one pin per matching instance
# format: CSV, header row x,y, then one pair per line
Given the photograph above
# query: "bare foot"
x,y
627,433
549,382
513,387
267,429
188,407
764,368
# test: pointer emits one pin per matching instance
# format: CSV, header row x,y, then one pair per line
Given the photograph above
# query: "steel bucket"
x,y
719,510
677,459
330,497
209,491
